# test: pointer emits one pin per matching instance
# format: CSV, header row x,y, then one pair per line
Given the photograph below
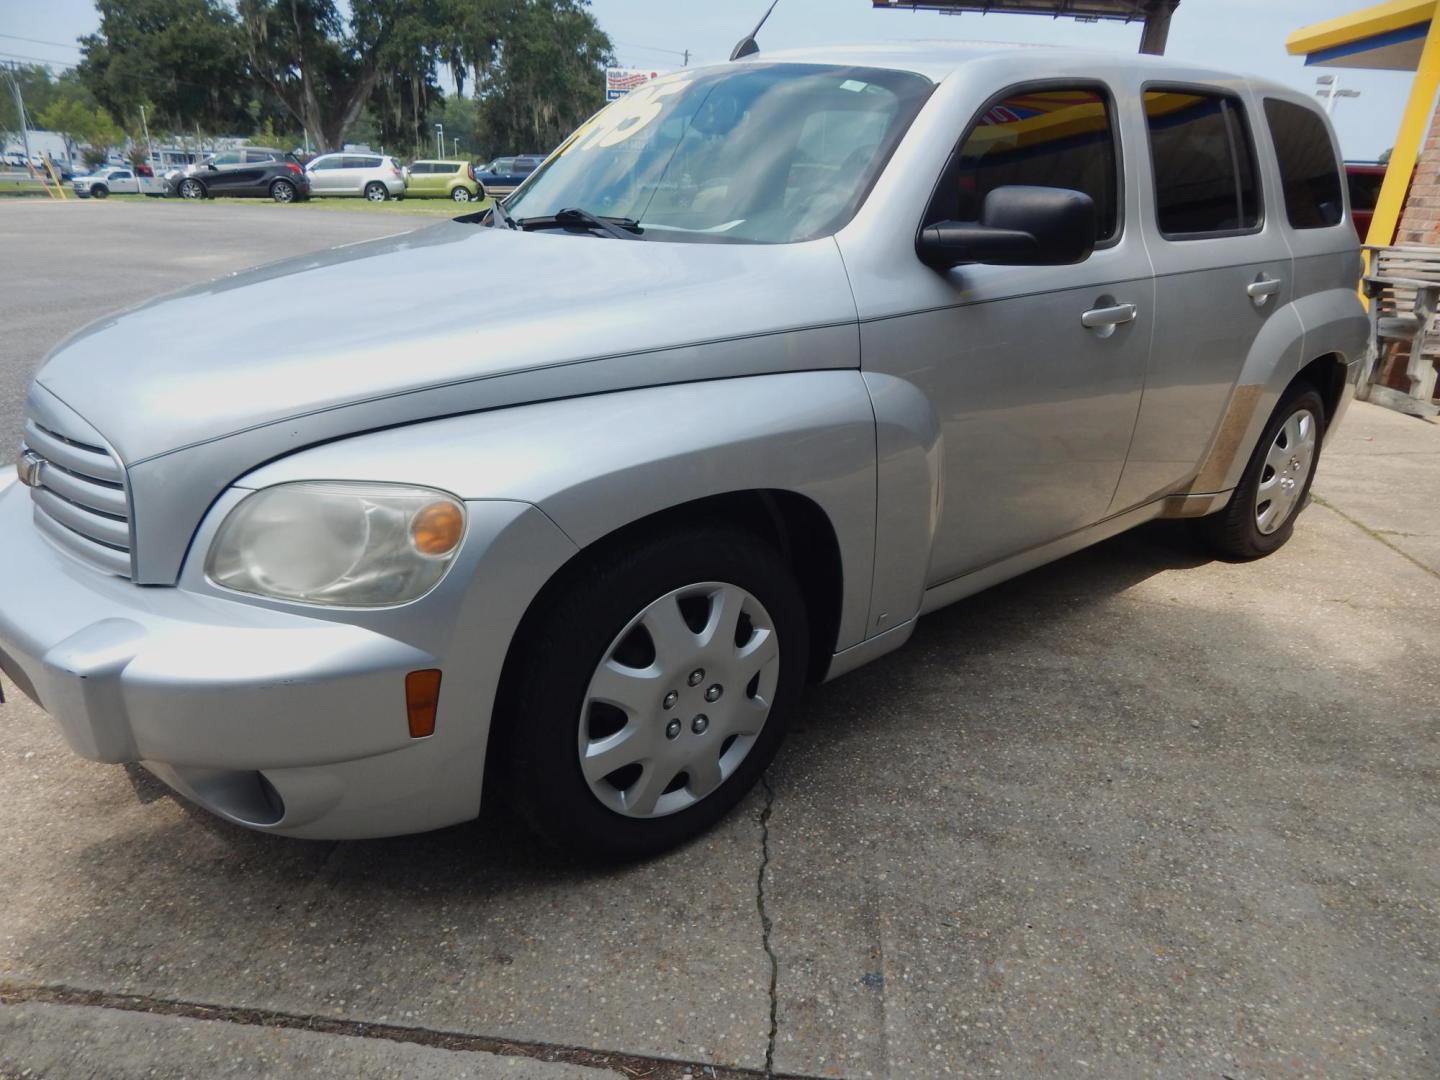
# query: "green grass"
x,y
22,187
436,208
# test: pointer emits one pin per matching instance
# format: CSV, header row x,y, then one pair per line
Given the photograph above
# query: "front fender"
x,y
597,463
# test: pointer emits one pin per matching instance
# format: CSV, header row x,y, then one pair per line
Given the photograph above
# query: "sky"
x,y
1245,36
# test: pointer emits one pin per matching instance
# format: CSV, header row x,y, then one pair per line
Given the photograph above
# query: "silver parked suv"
x,y
374,176
789,352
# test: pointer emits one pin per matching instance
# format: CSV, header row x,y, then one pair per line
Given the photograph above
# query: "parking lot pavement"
x,y
64,264
1138,813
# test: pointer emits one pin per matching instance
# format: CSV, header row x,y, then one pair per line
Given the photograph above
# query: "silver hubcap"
x,y
283,193
460,195
376,194
190,189
1287,467
678,700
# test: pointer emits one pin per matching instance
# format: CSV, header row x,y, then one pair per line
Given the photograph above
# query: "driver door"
x,y
1034,372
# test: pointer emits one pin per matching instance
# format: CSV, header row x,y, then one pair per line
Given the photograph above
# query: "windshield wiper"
x,y
621,228
500,217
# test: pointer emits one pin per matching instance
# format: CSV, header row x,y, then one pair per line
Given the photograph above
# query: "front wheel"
x,y
192,189
651,691
460,195
98,192
1275,486
282,191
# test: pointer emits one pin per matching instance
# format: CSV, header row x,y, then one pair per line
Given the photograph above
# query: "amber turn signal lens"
x,y
436,529
422,698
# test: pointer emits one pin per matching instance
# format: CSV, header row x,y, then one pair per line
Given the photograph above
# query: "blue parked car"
x,y
503,175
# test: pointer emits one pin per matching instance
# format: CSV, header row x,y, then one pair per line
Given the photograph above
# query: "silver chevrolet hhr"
x,y
788,352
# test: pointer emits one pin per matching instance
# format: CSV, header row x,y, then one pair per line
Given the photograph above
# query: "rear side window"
x,y
1062,138
1203,161
1364,188
1309,169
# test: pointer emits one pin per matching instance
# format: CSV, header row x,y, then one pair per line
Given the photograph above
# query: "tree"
x,y
323,68
76,124
185,57
545,75
1384,158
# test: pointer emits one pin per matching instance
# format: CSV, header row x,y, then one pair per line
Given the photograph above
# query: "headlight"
x,y
351,545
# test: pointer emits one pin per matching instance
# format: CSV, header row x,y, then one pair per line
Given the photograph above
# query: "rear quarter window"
x,y
1203,162
1309,166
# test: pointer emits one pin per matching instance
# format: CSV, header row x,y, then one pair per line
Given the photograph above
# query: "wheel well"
x,y
1327,374
794,524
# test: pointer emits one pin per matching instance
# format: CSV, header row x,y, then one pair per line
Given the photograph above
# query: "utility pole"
x,y
10,69
439,140
686,62
149,146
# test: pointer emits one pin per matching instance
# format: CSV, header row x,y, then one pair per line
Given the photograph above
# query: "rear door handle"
x,y
1262,287
1100,317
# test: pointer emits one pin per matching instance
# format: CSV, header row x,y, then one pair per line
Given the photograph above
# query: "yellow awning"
x,y
1386,37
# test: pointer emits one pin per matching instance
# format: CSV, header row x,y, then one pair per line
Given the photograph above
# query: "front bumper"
x,y
273,718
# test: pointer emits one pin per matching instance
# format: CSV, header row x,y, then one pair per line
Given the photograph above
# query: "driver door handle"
x,y
1261,287
1099,317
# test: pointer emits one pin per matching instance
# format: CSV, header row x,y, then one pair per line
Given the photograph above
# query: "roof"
x,y
1387,37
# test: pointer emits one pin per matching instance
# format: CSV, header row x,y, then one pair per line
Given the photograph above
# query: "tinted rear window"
x,y
1309,169
1204,164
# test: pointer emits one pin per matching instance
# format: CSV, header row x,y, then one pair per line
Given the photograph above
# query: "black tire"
x,y
376,191
282,191
99,192
536,757
190,188
1235,532
460,194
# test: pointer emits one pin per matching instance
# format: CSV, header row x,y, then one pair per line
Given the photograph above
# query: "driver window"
x,y
1062,138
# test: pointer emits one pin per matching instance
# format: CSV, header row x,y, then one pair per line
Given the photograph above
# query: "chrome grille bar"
x,y
81,504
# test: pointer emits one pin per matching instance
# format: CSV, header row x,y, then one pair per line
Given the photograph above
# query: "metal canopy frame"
x,y
1155,14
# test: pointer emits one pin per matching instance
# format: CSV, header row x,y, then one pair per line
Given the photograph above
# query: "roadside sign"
x,y
620,81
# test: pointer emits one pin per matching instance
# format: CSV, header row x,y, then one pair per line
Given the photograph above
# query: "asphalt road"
x,y
65,264
1138,813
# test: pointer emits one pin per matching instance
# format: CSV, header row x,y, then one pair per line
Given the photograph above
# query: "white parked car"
x,y
375,176
100,183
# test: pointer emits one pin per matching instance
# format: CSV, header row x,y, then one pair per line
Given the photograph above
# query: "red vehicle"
x,y
1364,182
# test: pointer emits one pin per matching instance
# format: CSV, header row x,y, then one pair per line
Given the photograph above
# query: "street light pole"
x,y
1330,85
439,140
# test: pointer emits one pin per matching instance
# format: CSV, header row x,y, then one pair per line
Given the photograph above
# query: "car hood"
x,y
195,390
448,306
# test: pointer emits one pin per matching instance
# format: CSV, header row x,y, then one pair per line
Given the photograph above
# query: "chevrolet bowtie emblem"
x,y
30,466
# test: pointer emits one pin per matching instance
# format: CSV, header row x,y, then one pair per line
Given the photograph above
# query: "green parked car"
x,y
443,180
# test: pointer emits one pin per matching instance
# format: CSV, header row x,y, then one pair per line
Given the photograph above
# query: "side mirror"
x,y
1019,226
212,166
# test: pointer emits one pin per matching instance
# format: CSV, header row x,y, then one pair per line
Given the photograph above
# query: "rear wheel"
x,y
1275,487
192,189
282,191
652,691
460,195
376,191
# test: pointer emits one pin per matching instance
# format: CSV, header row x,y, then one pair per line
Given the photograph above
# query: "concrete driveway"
x,y
1138,813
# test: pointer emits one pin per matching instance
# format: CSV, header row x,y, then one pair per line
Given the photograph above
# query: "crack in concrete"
x,y
643,1066
766,923
1375,535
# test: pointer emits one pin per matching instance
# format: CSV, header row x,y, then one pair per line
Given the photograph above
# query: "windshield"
x,y
757,153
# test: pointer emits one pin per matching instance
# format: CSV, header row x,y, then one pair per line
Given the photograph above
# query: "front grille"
x,y
80,501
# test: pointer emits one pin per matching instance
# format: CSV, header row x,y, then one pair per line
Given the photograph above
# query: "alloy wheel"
x,y
282,192
191,189
460,195
1287,466
678,700
376,193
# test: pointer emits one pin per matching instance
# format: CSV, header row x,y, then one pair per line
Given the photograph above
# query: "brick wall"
x,y
1419,224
